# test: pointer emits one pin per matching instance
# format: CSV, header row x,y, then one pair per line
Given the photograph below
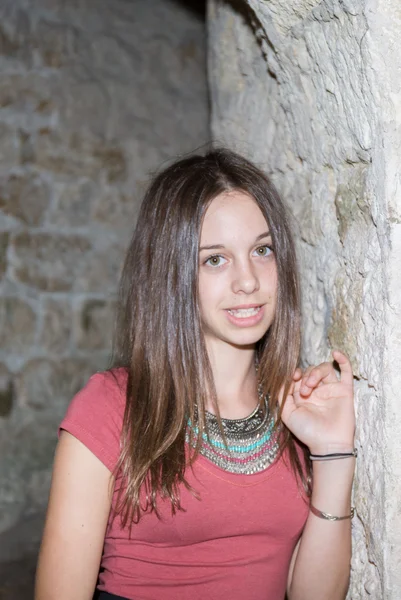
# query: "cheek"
x,y
270,279
205,293
209,293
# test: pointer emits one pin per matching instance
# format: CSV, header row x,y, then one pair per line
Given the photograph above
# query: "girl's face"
x,y
237,271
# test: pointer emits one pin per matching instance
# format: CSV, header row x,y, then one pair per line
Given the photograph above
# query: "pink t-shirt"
x,y
235,542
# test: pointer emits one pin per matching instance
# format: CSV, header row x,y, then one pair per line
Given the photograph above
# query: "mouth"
x,y
244,313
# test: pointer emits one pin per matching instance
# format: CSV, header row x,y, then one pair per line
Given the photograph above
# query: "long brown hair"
x,y
160,339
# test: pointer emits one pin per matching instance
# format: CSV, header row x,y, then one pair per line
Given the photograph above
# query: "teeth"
x,y
243,313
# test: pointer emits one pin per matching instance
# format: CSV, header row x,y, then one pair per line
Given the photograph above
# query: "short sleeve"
x,y
95,415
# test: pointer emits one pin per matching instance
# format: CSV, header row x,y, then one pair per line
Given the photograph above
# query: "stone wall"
x,y
310,89
93,96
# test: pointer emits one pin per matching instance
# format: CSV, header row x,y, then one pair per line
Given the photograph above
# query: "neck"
x,y
235,380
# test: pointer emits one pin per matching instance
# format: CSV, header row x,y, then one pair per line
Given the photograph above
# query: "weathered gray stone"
x,y
93,98
100,269
73,204
66,154
57,43
7,391
115,208
112,161
24,195
21,90
94,325
17,325
46,261
55,334
4,238
48,385
309,89
9,147
14,33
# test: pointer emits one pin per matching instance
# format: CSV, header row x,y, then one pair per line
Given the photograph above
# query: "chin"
x,y
246,338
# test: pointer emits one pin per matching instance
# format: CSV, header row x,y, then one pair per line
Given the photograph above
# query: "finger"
x,y
297,374
303,379
327,392
316,376
323,373
345,367
303,388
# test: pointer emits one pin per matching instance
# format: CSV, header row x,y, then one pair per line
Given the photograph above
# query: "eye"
x,y
263,251
215,261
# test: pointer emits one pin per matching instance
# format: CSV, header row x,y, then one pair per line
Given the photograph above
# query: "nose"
x,y
245,278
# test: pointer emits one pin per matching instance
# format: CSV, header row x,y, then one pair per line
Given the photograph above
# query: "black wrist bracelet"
x,y
335,456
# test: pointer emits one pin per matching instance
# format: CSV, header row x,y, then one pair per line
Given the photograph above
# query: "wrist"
x,y
331,448
337,473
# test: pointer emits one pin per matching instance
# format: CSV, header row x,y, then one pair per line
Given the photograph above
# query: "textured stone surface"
x,y
9,146
17,325
99,270
28,437
25,196
113,207
94,324
47,385
55,332
93,98
7,392
47,261
4,238
311,91
73,204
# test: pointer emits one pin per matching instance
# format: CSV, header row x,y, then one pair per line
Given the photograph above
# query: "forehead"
x,y
233,213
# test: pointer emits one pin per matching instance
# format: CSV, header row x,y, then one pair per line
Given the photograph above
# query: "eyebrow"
x,y
220,246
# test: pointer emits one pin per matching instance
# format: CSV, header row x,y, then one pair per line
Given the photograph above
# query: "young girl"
x,y
206,466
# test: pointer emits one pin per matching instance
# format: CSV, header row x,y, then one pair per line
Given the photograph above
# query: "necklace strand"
x,y
252,442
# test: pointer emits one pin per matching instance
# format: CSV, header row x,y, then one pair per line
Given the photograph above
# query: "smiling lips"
x,y
243,313
245,316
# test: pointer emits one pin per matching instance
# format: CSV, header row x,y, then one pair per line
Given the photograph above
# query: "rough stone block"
x,y
55,334
72,207
57,43
9,146
46,261
94,325
17,325
26,91
100,269
63,153
47,385
7,391
25,196
113,208
112,161
4,238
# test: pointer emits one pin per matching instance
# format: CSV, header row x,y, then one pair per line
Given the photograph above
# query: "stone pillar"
x,y
310,89
93,97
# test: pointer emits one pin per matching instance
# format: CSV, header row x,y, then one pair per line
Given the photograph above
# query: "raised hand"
x,y
319,410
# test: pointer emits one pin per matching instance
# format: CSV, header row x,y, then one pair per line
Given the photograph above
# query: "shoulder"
x,y
95,414
104,393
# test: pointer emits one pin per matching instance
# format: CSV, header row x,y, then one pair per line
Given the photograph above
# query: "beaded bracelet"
x,y
327,517
335,456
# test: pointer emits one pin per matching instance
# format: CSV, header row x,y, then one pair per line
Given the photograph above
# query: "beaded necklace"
x,y
252,442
